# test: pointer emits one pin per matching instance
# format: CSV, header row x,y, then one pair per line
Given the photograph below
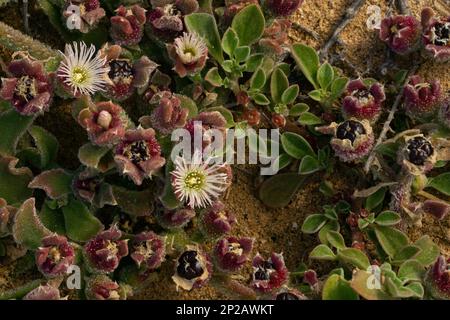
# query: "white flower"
x,y
190,48
82,71
196,182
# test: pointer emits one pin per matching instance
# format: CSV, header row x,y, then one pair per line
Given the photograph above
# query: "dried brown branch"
x,y
349,15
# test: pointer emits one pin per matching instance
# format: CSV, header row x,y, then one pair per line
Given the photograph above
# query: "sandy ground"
x,y
279,229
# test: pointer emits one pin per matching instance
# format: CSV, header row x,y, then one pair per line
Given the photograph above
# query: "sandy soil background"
x,y
274,229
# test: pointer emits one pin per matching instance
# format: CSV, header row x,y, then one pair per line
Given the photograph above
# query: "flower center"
x,y
363,96
54,254
441,34
350,130
104,119
263,272
120,71
188,265
235,248
145,249
194,180
137,151
111,246
171,10
419,149
26,88
79,75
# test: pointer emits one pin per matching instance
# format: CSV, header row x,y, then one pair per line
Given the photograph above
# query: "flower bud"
x,y
232,253
174,219
278,120
283,7
437,208
216,221
437,279
101,287
401,33
422,99
169,114
252,116
148,249
43,292
104,252
436,35
55,256
269,274
193,269
363,102
128,25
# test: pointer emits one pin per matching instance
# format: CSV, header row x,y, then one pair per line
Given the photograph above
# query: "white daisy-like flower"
x,y
81,70
190,47
196,182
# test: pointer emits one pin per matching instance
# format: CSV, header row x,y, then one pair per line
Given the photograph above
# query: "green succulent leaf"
x,y
322,252
278,190
205,25
316,95
309,119
336,240
135,203
406,253
388,218
28,229
360,281
429,251
249,25
325,75
279,83
80,224
298,109
331,225
307,60
391,240
230,41
354,257
290,94
12,126
313,223
95,157
258,80
296,146
260,99
46,143
337,288
241,54
56,183
254,62
411,270
213,77
14,181
309,165
441,183
338,87
375,199
53,219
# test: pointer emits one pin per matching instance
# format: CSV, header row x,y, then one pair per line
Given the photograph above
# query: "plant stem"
x,y
428,195
349,15
403,7
386,126
306,30
25,16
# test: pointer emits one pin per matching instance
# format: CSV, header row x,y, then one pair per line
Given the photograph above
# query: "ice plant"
x,y
189,52
148,250
204,123
101,287
125,75
138,155
422,99
417,155
44,292
270,274
29,89
362,101
283,7
83,15
127,26
352,139
80,71
104,252
197,182
174,219
216,220
105,122
231,253
55,256
166,18
437,279
401,33
436,35
169,114
193,269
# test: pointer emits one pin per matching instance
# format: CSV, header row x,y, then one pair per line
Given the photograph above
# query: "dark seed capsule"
x,y
419,149
442,34
350,130
263,272
120,69
137,151
188,265
287,296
